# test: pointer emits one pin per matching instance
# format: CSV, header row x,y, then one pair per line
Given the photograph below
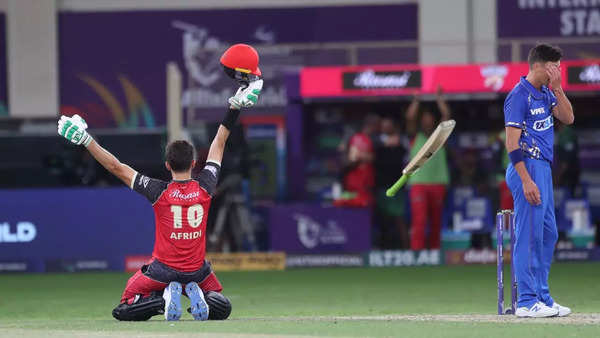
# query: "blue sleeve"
x,y
515,107
552,98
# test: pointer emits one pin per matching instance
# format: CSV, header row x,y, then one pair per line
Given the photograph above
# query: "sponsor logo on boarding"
x,y
324,260
312,233
370,79
473,256
494,76
404,258
247,261
580,255
19,266
24,232
584,75
590,74
70,265
541,125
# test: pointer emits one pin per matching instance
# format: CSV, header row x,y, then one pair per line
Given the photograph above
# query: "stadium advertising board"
x,y
380,80
370,79
309,228
583,75
113,72
247,261
76,265
577,255
11,266
404,258
134,263
488,256
242,261
552,18
325,260
474,256
73,229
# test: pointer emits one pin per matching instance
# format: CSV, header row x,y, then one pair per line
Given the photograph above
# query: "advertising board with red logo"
x,y
382,80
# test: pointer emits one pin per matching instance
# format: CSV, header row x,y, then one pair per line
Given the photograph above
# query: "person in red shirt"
x,y
359,174
181,209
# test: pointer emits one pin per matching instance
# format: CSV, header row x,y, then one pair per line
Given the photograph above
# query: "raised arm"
x,y
411,116
74,130
124,172
244,98
442,104
562,110
217,147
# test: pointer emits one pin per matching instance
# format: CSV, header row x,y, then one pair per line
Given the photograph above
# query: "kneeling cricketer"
x,y
181,206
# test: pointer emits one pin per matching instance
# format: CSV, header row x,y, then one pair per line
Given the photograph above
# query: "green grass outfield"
x,y
446,301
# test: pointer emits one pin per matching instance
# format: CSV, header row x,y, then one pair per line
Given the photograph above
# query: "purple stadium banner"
x,y
113,64
309,228
548,18
72,229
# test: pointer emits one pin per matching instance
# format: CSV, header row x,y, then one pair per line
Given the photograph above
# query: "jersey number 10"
x,y
194,215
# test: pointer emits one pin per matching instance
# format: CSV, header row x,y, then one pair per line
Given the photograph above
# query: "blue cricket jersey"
x,y
531,110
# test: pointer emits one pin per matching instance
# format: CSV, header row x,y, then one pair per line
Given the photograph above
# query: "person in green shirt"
x,y
428,185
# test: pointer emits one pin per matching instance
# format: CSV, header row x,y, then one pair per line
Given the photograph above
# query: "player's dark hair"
x,y
543,53
180,155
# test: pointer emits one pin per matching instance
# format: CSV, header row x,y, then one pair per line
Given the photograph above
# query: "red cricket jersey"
x,y
360,179
180,213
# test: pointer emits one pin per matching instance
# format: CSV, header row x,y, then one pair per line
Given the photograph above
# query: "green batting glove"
x,y
74,130
248,96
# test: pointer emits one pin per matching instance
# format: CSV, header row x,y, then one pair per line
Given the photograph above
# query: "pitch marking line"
x,y
577,318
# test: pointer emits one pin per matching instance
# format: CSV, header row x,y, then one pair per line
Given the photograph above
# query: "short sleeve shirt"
x,y
530,109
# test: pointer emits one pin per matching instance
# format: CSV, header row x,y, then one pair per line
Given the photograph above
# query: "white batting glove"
x,y
246,97
74,130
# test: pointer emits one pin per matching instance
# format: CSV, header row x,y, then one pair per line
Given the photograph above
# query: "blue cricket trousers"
x,y
536,234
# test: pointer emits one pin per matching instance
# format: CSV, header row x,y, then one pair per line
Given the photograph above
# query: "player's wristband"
x,y
231,118
86,142
516,156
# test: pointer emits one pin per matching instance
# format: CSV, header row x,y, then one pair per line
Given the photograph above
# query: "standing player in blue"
x,y
529,112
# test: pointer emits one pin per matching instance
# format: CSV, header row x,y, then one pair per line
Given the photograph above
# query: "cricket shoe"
x,y
537,310
172,297
562,310
198,308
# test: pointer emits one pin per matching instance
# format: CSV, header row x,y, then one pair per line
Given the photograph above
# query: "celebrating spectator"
x,y
428,185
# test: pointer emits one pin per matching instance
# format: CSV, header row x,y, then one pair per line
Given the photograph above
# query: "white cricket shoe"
x,y
562,310
537,310
172,297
